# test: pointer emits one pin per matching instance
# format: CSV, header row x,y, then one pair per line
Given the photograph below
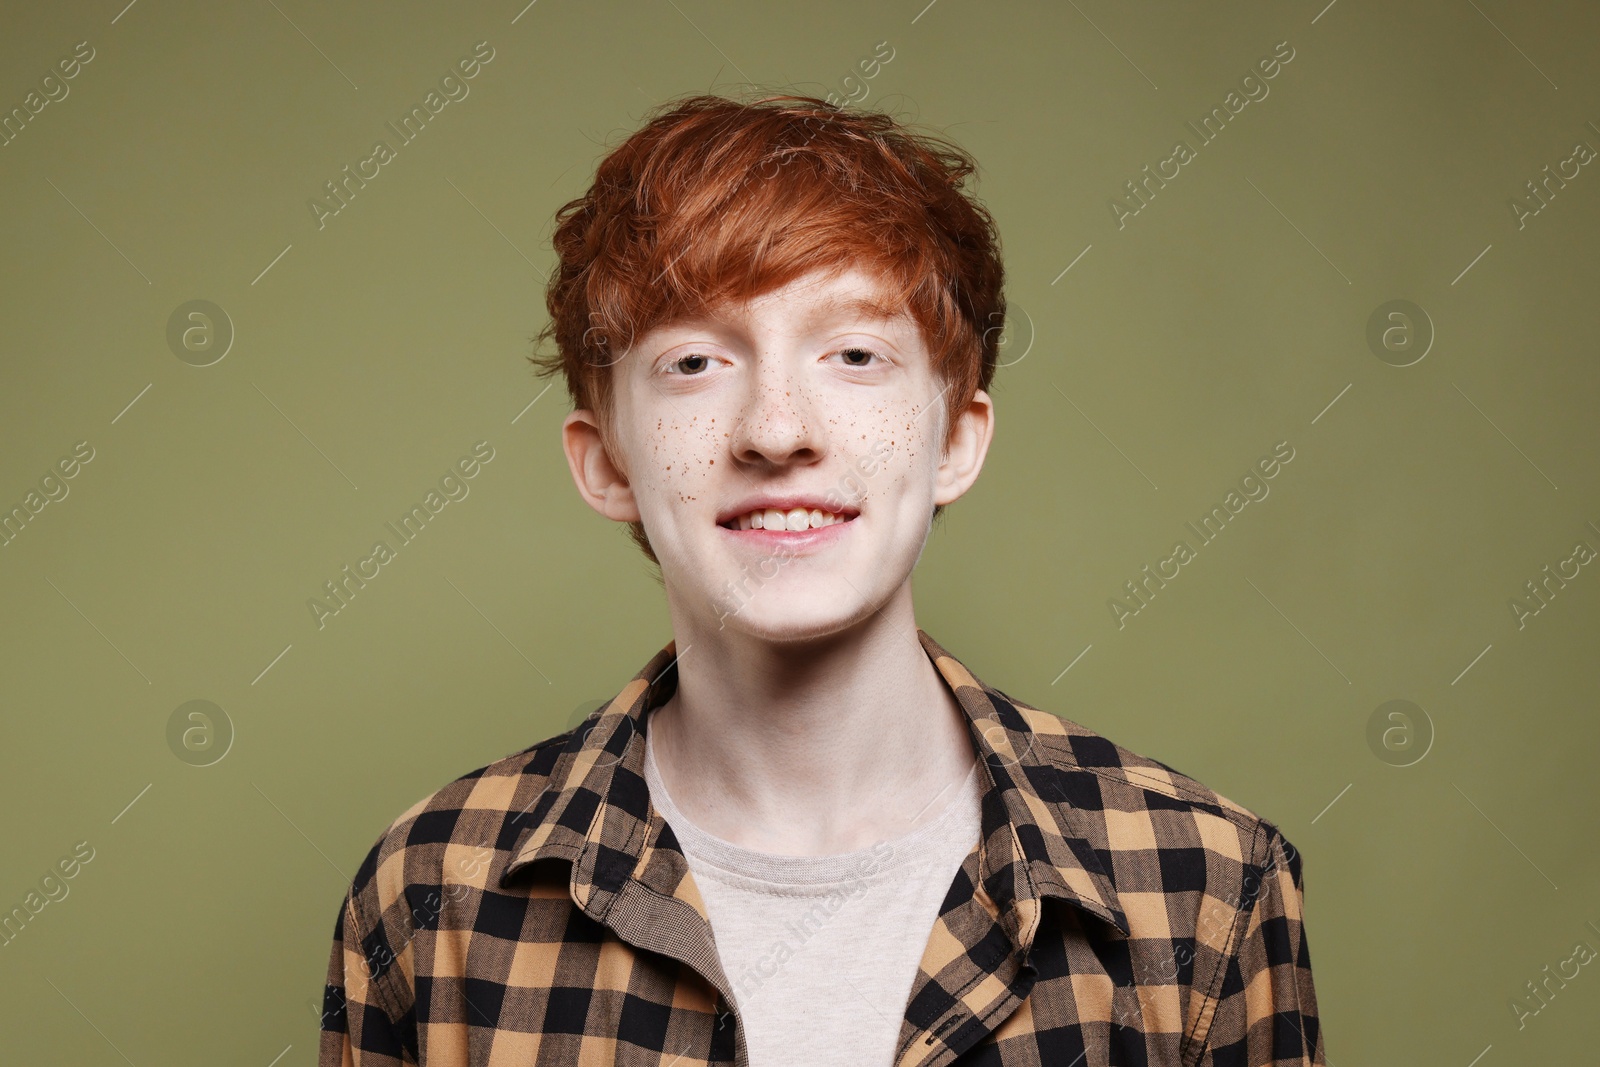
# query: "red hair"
x,y
716,201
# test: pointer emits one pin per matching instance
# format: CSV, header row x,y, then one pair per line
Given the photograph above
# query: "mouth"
x,y
794,520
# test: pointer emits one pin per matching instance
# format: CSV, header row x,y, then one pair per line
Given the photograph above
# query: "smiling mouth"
x,y
793,520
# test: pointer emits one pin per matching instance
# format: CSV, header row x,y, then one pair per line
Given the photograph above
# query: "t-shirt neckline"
x,y
863,864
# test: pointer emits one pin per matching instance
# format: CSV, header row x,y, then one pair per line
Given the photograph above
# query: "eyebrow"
x,y
875,307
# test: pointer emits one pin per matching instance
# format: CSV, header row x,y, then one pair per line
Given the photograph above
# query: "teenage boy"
x,y
805,833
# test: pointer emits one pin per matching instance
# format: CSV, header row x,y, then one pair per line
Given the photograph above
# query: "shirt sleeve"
x,y
359,1028
1266,1013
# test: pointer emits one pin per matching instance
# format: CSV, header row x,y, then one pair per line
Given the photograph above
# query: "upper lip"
x,y
785,502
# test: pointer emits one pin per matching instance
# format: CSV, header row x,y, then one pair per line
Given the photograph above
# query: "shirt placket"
x,y
632,878
651,917
973,974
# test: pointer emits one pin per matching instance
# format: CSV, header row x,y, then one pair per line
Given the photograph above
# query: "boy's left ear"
x,y
963,459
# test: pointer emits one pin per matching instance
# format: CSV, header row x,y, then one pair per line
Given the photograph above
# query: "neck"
x,y
812,747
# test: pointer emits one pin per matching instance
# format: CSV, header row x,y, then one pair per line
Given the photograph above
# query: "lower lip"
x,y
790,539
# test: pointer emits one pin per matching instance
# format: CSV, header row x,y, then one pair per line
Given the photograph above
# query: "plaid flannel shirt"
x,y
540,911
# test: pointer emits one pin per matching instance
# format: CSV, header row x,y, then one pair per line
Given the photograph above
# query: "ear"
x,y
963,459
599,481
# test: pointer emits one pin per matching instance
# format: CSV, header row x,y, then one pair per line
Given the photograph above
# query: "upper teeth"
x,y
793,519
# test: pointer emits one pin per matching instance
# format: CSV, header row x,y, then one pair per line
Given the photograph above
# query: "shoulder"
x,y
1126,803
452,835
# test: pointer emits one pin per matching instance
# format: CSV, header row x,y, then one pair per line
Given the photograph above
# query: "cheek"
x,y
680,459
892,443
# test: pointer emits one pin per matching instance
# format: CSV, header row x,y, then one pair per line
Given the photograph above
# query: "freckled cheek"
x,y
679,463
909,466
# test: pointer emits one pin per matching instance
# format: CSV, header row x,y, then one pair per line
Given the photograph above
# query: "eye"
x,y
682,365
855,351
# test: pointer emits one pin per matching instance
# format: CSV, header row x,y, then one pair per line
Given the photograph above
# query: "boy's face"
x,y
795,400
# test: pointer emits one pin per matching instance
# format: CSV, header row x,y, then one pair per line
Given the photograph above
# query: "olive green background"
x,y
370,354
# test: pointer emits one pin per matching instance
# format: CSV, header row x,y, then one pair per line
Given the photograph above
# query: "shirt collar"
x,y
594,810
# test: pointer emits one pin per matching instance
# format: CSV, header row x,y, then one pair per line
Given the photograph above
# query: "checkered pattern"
x,y
540,911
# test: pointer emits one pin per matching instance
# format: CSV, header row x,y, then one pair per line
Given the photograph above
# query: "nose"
x,y
779,421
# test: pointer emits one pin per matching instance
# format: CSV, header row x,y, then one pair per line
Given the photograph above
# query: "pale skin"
x,y
807,719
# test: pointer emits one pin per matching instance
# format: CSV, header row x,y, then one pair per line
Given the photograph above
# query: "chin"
x,y
781,615
783,631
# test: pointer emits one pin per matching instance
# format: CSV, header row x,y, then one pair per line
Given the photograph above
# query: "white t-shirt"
x,y
822,950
